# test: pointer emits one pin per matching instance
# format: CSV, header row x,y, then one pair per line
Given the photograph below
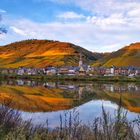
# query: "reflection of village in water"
x,y
80,87
38,96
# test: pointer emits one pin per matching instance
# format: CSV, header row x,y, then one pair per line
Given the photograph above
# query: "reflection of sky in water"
x,y
87,111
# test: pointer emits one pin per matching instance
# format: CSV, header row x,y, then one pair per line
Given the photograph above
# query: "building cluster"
x,y
81,70
116,71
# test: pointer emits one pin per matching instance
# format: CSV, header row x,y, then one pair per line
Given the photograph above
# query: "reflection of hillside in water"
x,y
33,96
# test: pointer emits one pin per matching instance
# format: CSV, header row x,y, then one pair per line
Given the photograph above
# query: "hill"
x,y
127,56
100,55
42,53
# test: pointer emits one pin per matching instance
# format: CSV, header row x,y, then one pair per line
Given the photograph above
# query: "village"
x,y
80,70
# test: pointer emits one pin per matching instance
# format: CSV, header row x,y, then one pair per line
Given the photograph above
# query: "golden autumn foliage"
x,y
127,56
41,53
34,99
39,98
130,101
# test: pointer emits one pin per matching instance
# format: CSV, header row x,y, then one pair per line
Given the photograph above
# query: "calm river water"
x,y
41,101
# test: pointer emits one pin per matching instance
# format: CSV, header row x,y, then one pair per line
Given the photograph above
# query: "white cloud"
x,y
113,19
18,31
110,25
109,12
103,7
86,34
70,15
134,12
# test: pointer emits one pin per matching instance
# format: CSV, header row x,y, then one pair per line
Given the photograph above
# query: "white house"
x,y
20,71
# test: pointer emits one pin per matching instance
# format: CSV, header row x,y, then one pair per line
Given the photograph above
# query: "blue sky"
x,y
100,26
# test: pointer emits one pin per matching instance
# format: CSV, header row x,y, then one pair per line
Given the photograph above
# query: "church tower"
x,y
80,61
82,71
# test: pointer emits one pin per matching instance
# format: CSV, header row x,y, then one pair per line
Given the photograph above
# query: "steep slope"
x,y
127,56
100,55
41,53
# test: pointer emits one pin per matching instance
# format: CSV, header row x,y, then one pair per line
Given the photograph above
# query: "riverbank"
x,y
73,78
13,127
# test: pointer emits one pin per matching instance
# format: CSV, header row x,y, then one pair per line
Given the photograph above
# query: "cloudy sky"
x,y
97,25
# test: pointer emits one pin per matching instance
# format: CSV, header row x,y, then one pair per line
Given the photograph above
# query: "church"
x,y
82,71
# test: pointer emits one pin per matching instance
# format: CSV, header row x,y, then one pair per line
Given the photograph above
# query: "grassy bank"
x,y
12,127
73,78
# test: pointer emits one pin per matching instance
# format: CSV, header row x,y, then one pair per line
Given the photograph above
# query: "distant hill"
x,y
100,55
127,56
42,53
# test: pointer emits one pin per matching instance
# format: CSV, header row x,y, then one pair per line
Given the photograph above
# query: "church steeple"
x,y
82,71
80,61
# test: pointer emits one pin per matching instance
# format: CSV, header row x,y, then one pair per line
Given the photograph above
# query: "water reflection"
x,y
87,113
49,99
122,87
110,87
71,94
